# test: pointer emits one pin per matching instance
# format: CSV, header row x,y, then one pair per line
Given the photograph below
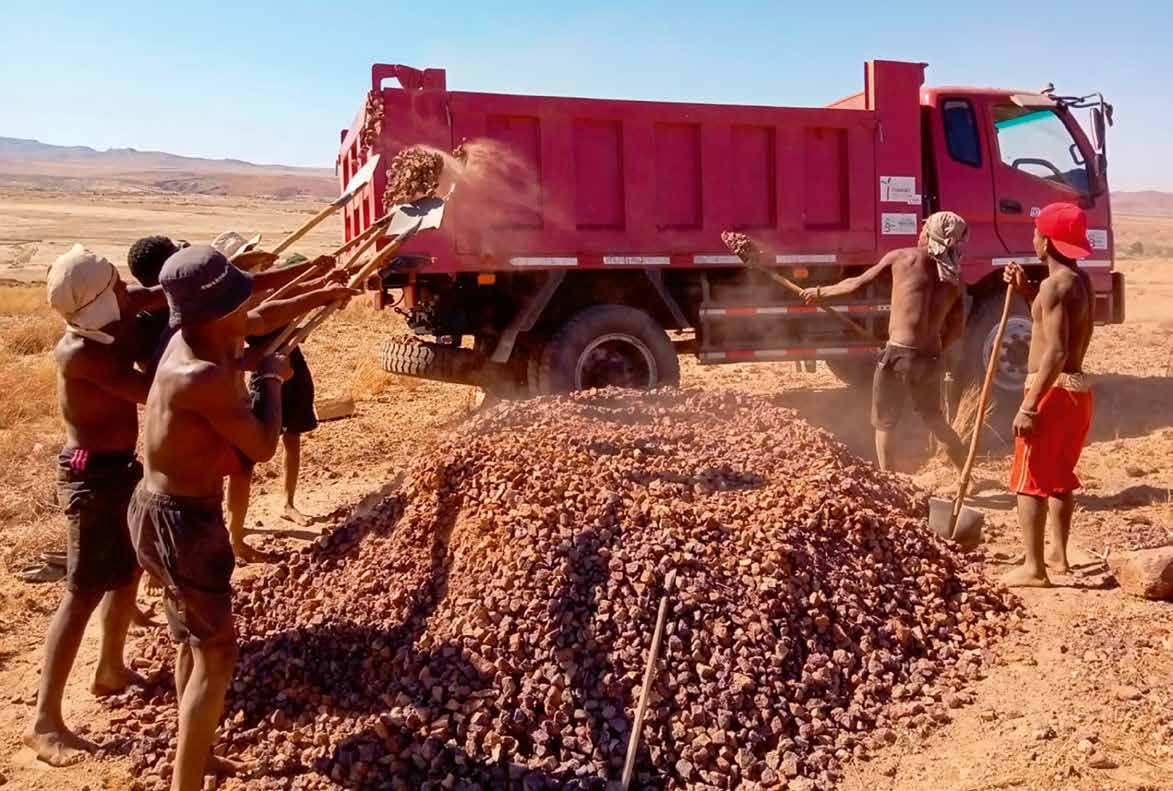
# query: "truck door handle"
x,y
1009,206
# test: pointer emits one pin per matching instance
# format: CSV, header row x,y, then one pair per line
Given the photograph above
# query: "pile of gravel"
x,y
487,627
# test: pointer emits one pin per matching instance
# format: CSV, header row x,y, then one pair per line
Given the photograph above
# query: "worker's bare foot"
x,y
59,747
114,680
246,554
219,765
297,517
1057,560
1026,577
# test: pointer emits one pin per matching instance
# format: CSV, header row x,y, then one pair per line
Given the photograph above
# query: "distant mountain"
x,y
81,168
1144,202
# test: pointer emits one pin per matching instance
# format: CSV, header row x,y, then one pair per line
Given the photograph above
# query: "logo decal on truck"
x,y
1098,237
897,224
898,189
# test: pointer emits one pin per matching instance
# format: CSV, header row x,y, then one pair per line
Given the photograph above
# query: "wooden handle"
x,y
649,674
305,228
295,335
794,288
285,289
987,386
375,226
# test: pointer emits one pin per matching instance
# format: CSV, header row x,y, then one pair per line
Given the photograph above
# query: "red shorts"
x,y
1044,463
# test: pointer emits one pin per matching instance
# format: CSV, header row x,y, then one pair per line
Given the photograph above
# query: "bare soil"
x,y
1080,698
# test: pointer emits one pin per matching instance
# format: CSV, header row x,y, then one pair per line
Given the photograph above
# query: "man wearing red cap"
x,y
1056,412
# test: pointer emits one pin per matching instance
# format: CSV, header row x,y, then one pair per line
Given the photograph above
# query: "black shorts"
x,y
183,543
297,397
94,490
903,373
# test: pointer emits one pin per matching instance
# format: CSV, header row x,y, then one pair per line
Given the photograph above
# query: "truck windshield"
x,y
1037,143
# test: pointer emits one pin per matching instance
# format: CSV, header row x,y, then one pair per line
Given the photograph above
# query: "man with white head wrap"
x,y
928,315
98,389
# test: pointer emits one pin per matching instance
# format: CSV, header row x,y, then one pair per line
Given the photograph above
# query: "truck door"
x,y
1038,162
960,163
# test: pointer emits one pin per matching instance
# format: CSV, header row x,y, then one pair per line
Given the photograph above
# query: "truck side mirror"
x,y
1099,129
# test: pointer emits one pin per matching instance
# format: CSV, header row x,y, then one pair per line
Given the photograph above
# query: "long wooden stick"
x,y
379,224
987,386
794,288
649,674
294,335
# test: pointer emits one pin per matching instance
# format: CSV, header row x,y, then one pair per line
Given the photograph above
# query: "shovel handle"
x,y
794,288
987,386
304,228
649,674
293,335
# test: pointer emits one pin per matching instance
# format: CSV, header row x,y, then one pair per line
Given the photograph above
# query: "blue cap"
x,y
202,285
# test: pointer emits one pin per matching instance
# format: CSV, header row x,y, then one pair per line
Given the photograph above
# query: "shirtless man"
x,y
928,315
98,390
1056,412
201,426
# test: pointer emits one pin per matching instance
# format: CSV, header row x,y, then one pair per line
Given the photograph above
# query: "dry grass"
x,y
32,334
23,300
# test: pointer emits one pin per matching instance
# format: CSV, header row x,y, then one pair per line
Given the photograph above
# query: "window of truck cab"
x,y
1037,142
961,132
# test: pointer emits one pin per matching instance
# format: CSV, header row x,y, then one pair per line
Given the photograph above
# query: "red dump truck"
x,y
602,260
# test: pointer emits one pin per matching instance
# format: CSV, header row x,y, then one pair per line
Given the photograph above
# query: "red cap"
x,y
1065,224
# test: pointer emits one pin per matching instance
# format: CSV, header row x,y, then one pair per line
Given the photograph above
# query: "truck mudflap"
x,y
1118,302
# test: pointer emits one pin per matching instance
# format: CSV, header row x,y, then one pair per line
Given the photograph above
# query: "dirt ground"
x,y
1080,698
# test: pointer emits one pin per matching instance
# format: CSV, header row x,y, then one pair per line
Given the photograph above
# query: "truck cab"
x,y
996,158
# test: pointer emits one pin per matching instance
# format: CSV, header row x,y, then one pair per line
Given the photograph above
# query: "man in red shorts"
x,y
1056,412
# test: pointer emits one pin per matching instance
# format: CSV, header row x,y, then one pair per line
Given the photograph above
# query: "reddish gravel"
x,y
414,173
740,245
488,626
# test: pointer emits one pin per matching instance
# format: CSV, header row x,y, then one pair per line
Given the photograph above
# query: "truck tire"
x,y
438,362
608,345
1010,375
854,373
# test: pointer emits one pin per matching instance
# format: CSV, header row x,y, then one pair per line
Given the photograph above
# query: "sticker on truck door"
x,y
897,224
898,189
1098,238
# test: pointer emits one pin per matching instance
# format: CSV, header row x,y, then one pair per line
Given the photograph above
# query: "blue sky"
x,y
275,81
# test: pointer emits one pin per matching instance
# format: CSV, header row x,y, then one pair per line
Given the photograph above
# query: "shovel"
x,y
953,519
357,182
406,221
796,289
649,676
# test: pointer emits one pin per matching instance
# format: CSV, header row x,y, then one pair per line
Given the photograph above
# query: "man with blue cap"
x,y
201,427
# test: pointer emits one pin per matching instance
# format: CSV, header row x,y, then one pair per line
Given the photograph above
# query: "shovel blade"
x,y
967,532
423,215
358,180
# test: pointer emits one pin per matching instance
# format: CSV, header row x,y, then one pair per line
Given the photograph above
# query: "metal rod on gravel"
x,y
649,674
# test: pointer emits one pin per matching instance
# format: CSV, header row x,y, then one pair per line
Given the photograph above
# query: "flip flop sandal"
x,y
54,558
41,572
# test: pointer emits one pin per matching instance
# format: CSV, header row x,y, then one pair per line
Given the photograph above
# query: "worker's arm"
x,y
215,396
954,327
272,316
851,284
1054,355
140,299
118,380
1015,275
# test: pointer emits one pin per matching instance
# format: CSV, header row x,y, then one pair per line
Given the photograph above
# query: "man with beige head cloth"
x,y
98,390
928,315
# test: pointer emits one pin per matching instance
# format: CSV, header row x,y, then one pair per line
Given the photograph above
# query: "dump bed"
x,y
599,183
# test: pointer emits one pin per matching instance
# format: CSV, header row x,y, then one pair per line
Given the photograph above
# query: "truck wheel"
x,y
1010,375
854,373
608,345
435,361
